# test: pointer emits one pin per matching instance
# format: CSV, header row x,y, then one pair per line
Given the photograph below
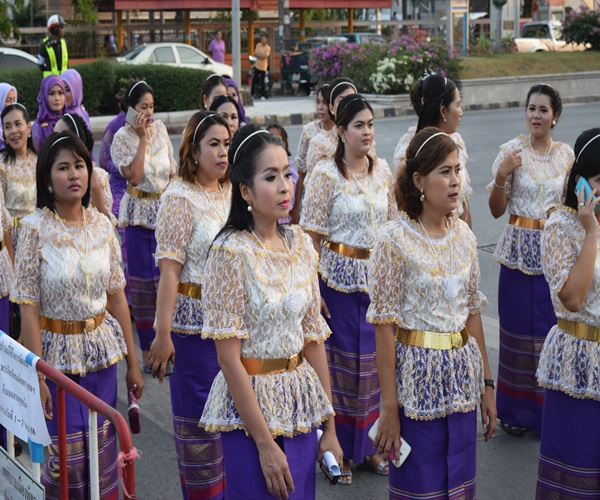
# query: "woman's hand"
x,y
161,351
273,463
488,413
46,398
329,442
135,377
586,211
388,433
510,163
324,309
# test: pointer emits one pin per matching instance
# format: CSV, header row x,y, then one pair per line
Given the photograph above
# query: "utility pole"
x,y
499,4
236,51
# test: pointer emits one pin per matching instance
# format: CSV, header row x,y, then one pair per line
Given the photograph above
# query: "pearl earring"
x,y
445,119
50,189
553,122
422,197
195,162
249,208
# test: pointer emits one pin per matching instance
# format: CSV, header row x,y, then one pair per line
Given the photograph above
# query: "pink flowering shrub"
x,y
406,57
582,26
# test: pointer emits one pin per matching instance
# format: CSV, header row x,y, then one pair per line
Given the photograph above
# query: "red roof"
x,y
245,4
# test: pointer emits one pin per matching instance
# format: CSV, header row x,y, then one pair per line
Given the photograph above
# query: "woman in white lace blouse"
x,y
425,303
569,366
193,210
346,203
143,153
69,284
529,178
261,304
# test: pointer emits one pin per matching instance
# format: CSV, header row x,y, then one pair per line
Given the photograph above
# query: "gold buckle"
x,y
292,362
90,324
456,340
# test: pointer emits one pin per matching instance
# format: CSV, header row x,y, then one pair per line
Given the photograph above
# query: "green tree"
x,y
86,12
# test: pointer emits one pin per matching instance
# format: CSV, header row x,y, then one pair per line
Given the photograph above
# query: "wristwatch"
x,y
488,382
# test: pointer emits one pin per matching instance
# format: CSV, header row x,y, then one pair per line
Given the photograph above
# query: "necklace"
x,y
540,175
87,265
222,215
292,301
450,282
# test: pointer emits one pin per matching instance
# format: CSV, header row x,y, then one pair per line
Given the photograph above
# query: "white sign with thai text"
x,y
16,482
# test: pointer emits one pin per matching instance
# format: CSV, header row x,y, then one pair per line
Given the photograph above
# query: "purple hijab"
x,y
241,110
46,118
72,78
118,184
5,88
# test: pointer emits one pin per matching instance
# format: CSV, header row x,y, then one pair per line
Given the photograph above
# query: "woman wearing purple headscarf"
x,y
8,96
74,94
51,101
233,91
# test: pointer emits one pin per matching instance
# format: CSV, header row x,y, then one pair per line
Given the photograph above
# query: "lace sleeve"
x,y
122,150
313,324
392,203
316,205
117,278
385,281
223,295
302,151
173,228
4,214
502,155
476,300
559,255
26,287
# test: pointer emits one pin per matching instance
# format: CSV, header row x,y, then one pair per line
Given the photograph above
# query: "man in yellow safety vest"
x,y
53,57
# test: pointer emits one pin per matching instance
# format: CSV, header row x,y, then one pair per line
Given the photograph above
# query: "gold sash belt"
x,y
526,222
143,195
580,330
71,327
190,290
433,340
269,366
347,251
15,221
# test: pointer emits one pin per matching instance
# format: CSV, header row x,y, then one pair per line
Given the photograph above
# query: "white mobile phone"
x,y
131,116
404,447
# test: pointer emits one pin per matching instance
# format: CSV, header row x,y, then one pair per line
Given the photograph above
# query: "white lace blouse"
x,y
275,311
103,180
418,285
189,218
309,131
159,167
348,211
6,267
49,273
567,363
321,147
532,189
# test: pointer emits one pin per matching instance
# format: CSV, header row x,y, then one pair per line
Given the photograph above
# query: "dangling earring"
x,y
344,140
553,122
422,197
195,162
50,189
249,208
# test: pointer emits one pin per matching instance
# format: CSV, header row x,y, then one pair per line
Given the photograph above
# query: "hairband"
x,y
212,113
17,104
428,139
586,145
134,86
74,124
548,85
261,131
343,83
355,97
58,140
209,77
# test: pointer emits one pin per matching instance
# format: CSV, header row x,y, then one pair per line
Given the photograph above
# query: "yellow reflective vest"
x,y
52,56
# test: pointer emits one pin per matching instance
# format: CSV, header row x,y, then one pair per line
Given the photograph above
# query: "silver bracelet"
x,y
500,187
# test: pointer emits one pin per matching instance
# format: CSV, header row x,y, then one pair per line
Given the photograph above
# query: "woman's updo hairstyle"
x,y
587,152
432,152
8,153
77,125
552,93
347,109
210,84
325,91
438,92
336,87
194,132
135,93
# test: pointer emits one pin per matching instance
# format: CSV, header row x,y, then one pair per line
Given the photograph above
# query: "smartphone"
x,y
404,447
582,183
332,479
131,116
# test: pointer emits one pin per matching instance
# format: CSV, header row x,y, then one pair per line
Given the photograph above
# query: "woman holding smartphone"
x,y
143,153
569,368
529,177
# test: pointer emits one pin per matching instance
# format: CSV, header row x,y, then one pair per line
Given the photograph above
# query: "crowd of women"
x,y
368,311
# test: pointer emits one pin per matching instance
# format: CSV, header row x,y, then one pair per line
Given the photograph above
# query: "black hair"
x,y
9,154
552,93
242,171
209,84
438,92
586,163
78,126
416,97
336,88
325,91
134,94
283,135
348,108
52,146
222,99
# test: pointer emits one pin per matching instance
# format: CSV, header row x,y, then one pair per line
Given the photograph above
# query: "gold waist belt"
x,y
432,340
347,251
71,327
15,221
526,222
189,290
580,330
269,366
143,195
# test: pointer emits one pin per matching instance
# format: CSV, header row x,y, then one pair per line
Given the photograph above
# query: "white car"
x,y
14,58
174,54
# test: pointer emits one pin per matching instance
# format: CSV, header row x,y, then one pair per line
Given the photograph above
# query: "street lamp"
x,y
498,42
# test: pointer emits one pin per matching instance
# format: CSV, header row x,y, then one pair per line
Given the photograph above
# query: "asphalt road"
x,y
507,466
